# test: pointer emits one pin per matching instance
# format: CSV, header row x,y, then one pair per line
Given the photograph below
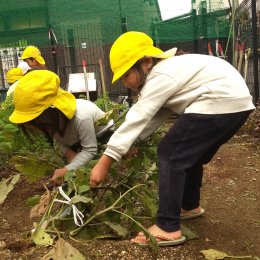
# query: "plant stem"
x,y
152,240
112,207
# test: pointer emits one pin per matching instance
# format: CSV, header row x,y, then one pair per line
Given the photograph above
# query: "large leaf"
x,y
63,250
150,203
6,185
188,233
32,167
32,201
96,232
120,230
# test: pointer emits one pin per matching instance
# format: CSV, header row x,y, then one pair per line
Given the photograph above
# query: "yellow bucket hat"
x,y
14,74
33,52
131,47
38,90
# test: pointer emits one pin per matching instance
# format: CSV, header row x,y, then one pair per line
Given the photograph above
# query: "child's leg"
x,y
181,152
193,183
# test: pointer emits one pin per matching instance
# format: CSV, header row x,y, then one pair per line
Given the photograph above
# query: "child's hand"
x,y
98,174
100,171
58,176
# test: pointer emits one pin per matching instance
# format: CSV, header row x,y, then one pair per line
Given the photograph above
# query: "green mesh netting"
x,y
68,31
26,22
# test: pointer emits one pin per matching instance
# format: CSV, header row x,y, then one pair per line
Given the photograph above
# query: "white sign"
x,y
77,82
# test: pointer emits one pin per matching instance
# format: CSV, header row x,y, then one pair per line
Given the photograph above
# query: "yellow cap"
x,y
33,52
13,75
38,90
131,47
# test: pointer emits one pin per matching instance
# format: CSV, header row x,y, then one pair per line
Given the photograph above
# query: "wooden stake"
x,y
103,84
236,54
241,56
85,78
247,55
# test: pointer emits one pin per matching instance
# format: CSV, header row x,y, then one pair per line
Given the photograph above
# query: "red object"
x,y
209,50
84,64
242,46
220,50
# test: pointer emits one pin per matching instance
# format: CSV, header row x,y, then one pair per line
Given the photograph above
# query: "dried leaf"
x,y
63,250
212,254
5,188
40,208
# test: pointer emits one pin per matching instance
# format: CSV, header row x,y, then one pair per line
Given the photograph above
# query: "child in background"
x,y
41,103
32,56
212,101
14,74
24,66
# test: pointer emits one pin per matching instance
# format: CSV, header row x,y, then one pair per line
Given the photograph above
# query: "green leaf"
x,y
188,233
5,147
32,201
96,232
152,240
121,231
5,188
150,204
40,237
79,198
83,188
32,167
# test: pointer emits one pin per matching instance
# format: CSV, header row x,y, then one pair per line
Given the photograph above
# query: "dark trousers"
x,y
191,142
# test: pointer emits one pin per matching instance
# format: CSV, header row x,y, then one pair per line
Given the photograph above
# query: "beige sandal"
x,y
192,215
161,240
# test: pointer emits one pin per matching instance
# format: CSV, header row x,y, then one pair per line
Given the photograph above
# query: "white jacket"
x,y
190,83
81,130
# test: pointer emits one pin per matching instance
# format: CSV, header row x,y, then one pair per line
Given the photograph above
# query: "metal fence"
x,y
65,51
244,36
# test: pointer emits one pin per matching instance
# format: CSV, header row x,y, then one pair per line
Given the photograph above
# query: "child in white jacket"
x,y
40,103
212,101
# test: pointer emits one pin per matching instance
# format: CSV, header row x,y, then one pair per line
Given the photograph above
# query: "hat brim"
x,y
64,101
166,54
160,55
18,118
41,60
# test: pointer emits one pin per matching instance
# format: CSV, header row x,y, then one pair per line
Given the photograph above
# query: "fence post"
x,y
195,30
72,51
255,54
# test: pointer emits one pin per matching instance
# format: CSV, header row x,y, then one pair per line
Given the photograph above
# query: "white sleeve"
x,y
88,141
157,90
161,116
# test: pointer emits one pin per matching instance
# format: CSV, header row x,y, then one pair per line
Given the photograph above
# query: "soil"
x,y
231,224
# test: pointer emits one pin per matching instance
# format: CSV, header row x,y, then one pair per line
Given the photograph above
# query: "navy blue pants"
x,y
191,142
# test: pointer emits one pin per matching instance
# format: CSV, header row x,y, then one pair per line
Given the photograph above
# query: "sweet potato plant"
x,y
115,208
